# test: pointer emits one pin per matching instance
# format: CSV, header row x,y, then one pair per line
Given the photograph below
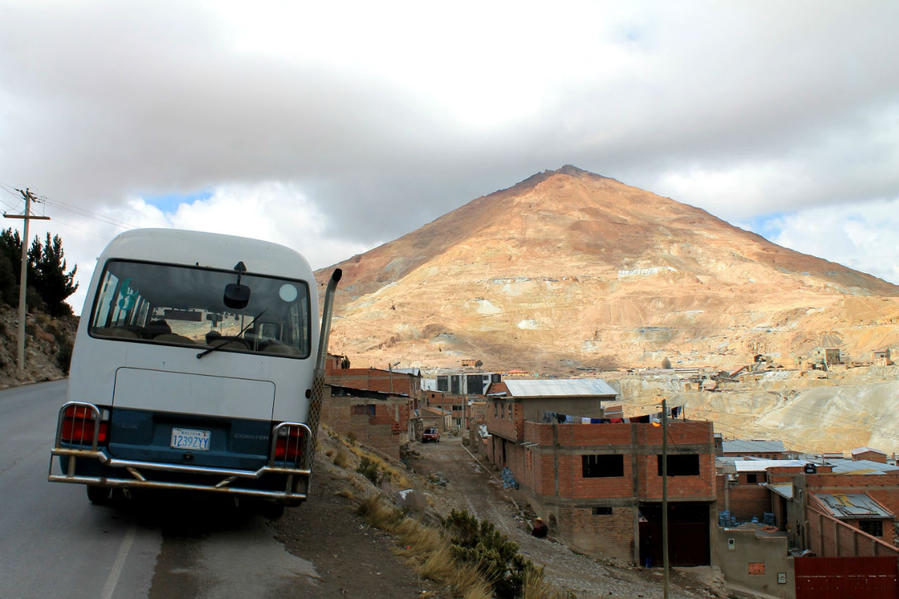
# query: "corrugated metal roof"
x,y
844,466
784,490
740,446
559,388
855,506
762,465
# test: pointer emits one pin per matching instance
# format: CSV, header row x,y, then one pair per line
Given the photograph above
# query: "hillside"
x,y
568,270
48,345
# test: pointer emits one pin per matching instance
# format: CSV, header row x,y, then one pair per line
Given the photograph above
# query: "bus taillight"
x,y
78,426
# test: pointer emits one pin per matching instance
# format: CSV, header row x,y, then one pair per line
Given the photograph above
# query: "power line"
x,y
88,213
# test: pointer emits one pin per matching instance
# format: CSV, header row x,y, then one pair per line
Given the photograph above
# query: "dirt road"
x,y
470,486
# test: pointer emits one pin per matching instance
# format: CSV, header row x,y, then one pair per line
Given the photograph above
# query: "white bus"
x,y
197,365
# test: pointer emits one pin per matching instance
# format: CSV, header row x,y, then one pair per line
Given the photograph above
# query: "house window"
x,y
600,466
872,527
681,465
510,410
752,478
496,409
602,511
363,410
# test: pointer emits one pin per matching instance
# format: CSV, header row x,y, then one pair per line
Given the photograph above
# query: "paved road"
x,y
54,543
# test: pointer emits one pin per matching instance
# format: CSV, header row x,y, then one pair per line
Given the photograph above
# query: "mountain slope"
x,y
569,270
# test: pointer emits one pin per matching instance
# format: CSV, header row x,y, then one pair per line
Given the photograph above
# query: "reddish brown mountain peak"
x,y
569,269
574,171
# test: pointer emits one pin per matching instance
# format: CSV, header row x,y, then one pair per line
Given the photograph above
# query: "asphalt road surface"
x,y
55,543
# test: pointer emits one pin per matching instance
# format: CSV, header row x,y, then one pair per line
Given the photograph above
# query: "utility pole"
x,y
665,495
23,278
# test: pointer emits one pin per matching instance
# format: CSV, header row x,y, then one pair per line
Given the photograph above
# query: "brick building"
x,y
375,419
867,453
452,403
597,479
770,450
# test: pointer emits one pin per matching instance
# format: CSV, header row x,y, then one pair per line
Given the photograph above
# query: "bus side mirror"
x,y
237,296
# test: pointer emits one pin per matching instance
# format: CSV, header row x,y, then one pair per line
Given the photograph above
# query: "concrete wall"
x,y
740,561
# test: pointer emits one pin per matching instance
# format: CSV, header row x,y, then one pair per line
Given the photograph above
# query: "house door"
x,y
838,577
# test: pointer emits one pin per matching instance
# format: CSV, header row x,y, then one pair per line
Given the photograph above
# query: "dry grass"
x,y
536,586
341,459
426,549
377,513
468,582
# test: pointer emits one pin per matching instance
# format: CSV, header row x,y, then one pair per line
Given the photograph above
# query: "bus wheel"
x,y
271,510
99,495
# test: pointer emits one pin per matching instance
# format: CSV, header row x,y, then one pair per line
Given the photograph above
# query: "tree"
x,y
10,260
51,280
47,276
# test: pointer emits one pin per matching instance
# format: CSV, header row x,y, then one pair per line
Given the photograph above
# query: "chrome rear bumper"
x,y
134,474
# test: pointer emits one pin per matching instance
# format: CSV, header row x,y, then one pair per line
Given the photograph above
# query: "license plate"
x,y
189,438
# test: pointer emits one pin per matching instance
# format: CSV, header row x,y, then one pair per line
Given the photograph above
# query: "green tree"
x,y
51,280
48,280
10,259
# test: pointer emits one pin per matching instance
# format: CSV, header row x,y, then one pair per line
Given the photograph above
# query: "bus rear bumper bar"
x,y
134,474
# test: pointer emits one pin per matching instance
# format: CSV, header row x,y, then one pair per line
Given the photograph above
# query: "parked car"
x,y
432,433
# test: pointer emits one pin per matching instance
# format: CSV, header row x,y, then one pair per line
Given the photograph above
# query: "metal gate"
x,y
846,578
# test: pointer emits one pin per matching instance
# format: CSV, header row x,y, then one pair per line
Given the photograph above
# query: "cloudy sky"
x,y
333,127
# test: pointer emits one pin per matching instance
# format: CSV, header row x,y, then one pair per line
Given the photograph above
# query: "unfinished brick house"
x,y
597,480
393,382
450,402
818,506
378,420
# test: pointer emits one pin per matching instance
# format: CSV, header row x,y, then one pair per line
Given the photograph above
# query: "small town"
x,y
575,452
468,300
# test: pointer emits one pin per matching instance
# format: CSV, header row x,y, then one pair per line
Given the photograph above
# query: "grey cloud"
x,y
105,100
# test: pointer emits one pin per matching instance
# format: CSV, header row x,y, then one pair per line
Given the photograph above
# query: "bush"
x,y
479,543
64,355
370,470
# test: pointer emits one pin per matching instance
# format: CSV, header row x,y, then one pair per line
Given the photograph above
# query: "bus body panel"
x,y
176,417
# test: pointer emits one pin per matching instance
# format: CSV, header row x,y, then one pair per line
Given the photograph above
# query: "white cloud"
x,y
383,116
862,236
272,211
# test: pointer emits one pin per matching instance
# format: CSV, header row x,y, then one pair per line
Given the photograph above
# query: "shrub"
x,y
64,355
369,469
478,543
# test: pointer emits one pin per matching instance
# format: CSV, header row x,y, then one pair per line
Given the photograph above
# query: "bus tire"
x,y
99,495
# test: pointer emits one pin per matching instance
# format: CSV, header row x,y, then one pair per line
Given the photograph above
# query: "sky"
x,y
335,127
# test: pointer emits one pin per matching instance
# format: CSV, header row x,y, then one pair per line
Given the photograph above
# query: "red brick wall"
x,y
576,440
374,379
499,422
381,431
823,532
872,456
748,500
611,535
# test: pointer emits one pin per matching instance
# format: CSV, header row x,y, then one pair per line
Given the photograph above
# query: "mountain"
x,y
569,270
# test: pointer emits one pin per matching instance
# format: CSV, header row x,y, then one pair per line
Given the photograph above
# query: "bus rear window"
x,y
179,305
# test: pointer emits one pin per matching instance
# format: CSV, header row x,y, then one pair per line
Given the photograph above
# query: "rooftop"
x,y
855,506
844,466
740,446
559,388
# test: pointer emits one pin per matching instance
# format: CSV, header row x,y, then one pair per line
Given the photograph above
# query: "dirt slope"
x,y
570,270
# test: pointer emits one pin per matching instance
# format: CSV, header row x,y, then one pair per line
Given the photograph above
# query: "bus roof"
x,y
211,250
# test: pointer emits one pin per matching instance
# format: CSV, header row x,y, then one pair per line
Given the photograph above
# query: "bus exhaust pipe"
x,y
318,383
327,310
